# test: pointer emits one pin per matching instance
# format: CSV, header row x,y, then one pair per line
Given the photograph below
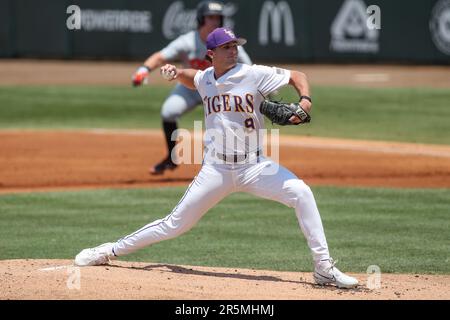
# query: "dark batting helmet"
x,y
209,8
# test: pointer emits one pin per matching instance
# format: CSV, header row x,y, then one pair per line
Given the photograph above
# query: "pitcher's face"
x,y
226,55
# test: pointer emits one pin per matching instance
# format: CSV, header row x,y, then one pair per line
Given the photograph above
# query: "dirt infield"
x,y
46,160
25,279
50,72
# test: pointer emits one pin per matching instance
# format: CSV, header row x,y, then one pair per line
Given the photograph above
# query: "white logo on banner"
x,y
440,26
374,20
73,22
179,20
280,16
109,20
353,31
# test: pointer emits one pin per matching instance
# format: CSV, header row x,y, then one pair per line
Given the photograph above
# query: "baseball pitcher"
x,y
233,95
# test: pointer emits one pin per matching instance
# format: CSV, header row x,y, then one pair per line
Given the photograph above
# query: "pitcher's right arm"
x,y
185,76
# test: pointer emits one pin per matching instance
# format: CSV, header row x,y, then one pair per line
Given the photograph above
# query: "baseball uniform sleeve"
x,y
269,79
176,48
197,78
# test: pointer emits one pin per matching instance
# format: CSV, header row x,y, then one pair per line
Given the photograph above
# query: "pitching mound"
x,y
59,279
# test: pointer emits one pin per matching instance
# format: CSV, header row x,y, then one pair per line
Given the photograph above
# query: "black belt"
x,y
236,157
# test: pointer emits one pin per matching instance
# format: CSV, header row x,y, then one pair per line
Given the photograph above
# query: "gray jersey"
x,y
191,50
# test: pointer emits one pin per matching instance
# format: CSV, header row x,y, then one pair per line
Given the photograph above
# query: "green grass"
x,y
401,231
413,115
80,107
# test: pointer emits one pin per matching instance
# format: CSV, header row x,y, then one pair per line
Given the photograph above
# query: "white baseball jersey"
x,y
191,50
231,105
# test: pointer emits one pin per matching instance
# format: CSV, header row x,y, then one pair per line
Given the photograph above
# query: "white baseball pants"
x,y
214,182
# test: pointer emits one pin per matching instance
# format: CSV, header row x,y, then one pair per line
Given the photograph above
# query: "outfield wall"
x,y
291,31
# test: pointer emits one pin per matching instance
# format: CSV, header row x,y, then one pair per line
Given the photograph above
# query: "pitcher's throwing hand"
x,y
169,72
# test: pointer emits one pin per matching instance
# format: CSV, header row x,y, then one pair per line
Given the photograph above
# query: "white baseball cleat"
x,y
326,273
96,256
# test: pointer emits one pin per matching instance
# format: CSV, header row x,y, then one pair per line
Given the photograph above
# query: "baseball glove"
x,y
280,112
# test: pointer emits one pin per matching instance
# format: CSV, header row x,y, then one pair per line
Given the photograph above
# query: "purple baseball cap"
x,y
220,36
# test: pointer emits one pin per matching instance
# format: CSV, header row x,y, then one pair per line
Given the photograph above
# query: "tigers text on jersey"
x,y
231,105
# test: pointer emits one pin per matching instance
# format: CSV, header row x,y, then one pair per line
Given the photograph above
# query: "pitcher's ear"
x,y
209,55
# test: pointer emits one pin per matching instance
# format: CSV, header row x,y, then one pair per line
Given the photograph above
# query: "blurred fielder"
x,y
190,48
